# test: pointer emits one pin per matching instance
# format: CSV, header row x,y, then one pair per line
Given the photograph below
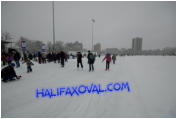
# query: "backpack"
x,y
92,58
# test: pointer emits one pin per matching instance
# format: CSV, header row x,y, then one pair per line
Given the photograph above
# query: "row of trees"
x,y
60,45
33,46
7,41
123,51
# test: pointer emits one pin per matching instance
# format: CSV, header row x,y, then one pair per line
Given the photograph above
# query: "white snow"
x,y
152,81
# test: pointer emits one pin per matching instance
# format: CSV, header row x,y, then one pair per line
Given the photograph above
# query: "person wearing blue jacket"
x,y
91,60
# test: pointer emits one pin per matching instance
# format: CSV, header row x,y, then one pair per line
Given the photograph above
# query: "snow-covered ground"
x,y
152,81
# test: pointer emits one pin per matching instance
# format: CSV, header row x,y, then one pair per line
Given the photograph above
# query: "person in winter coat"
x,y
17,59
91,60
54,56
66,57
62,56
108,60
49,57
30,56
79,59
8,73
24,56
9,58
28,64
43,58
58,57
113,58
3,58
39,57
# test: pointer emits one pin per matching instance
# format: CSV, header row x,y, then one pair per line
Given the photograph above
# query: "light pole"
x,y
53,26
93,21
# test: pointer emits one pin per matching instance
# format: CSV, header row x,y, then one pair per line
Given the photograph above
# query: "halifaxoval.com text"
x,y
82,89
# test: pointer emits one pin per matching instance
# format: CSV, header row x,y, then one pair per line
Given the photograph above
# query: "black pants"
x,y
58,60
107,65
39,59
62,62
4,62
113,61
8,77
79,62
91,67
29,69
43,60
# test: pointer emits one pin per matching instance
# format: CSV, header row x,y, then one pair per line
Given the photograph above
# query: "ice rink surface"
x,y
152,81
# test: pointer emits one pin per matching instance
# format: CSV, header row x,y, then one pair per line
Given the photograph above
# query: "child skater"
x,y
29,64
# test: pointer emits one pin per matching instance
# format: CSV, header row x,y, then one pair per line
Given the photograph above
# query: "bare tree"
x,y
6,38
49,46
31,45
76,46
59,46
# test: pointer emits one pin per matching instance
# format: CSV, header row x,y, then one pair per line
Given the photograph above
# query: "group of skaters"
x,y
91,60
42,57
7,58
8,72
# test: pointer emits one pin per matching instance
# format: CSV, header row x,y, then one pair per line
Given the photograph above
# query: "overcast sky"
x,y
116,22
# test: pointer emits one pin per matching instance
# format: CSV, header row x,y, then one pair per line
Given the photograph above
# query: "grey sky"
x,y
116,22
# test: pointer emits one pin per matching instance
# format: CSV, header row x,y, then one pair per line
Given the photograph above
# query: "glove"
x,y
18,77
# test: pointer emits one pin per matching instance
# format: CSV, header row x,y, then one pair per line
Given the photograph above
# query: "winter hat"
x,y
12,64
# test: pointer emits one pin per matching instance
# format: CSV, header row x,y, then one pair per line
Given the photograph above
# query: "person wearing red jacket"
x,y
3,59
108,60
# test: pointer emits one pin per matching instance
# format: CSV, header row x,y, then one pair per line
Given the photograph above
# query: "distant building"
x,y
137,45
112,50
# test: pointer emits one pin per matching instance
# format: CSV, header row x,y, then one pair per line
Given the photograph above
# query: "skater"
x,y
34,57
8,73
54,56
66,57
108,60
17,59
99,55
3,58
62,56
79,59
39,57
113,58
28,64
24,56
49,57
58,57
30,56
9,58
43,58
91,60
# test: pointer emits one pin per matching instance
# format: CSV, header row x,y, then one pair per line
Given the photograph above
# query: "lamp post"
x,y
93,21
53,26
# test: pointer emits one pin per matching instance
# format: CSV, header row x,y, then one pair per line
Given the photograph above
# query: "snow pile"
x,y
152,81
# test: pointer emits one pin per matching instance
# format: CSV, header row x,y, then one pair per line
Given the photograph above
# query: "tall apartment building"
x,y
137,44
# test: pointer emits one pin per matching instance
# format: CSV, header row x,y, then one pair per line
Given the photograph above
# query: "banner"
x,y
43,47
23,45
